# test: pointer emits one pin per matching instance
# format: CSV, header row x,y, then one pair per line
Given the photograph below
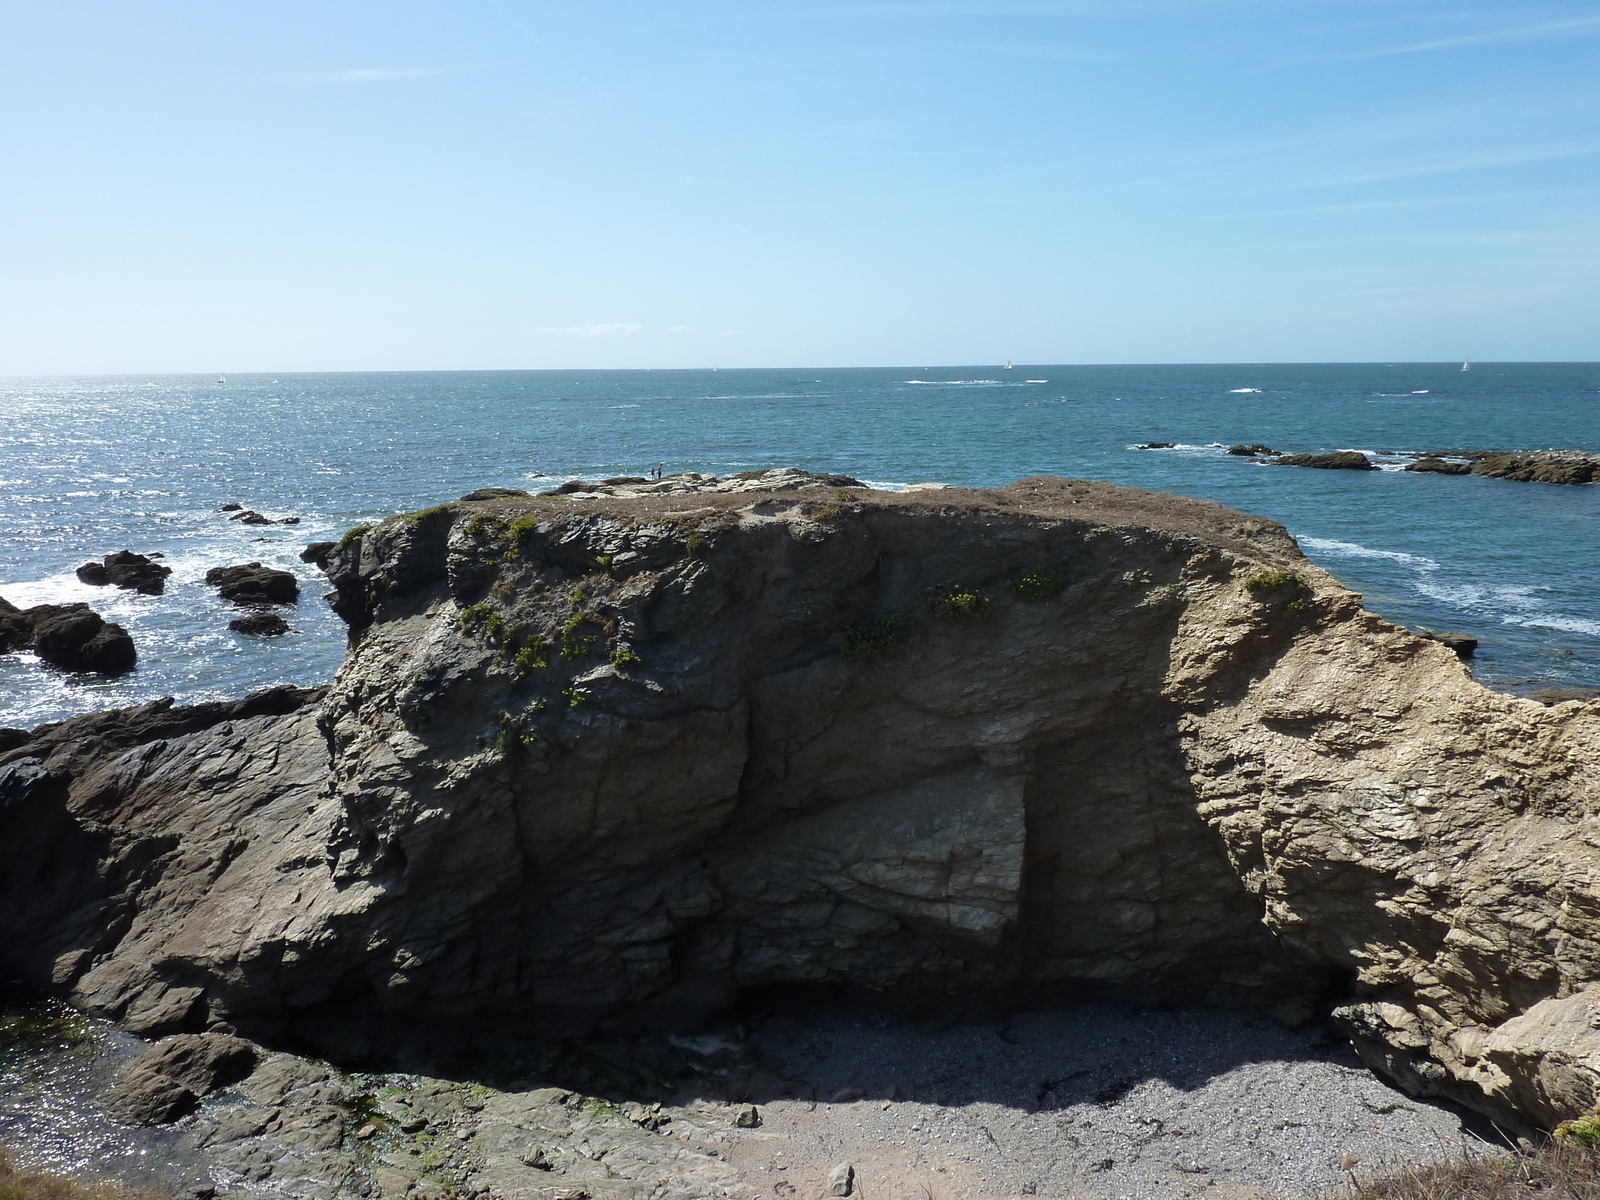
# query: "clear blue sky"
x,y
224,186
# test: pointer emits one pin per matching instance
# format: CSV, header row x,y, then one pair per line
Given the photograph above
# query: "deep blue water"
x,y
92,465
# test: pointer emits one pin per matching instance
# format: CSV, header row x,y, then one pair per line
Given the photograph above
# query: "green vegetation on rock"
x,y
959,604
1039,584
354,535
574,642
1286,582
886,637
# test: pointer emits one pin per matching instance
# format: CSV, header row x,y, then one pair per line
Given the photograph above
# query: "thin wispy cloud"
x,y
1493,37
606,329
381,74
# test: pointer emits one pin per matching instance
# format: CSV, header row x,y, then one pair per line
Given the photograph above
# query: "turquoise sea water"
x,y
92,465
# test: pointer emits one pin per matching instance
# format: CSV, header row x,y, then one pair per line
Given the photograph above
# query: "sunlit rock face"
x,y
627,753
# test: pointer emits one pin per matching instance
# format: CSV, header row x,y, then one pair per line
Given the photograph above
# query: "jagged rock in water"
x,y
1439,466
1343,460
620,759
70,636
251,583
135,572
1254,450
260,624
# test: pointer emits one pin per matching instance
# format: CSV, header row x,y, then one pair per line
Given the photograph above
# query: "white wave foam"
x,y
1510,605
1356,550
956,382
1035,381
1243,391
1423,392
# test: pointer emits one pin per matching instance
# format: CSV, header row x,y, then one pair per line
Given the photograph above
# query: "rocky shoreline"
x,y
627,756
1568,467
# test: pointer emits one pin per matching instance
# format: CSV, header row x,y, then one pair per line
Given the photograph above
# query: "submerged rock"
x,y
1254,450
251,583
623,759
1343,460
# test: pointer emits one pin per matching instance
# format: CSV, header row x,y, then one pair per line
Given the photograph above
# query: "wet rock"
x,y
1438,466
260,624
251,583
167,1080
137,572
249,516
319,553
16,630
1157,445
1343,460
1254,450
495,493
1461,643
74,638
231,508
94,574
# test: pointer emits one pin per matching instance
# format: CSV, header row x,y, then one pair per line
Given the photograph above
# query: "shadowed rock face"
x,y
621,759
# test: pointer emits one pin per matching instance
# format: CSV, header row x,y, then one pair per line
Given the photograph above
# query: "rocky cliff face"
x,y
624,758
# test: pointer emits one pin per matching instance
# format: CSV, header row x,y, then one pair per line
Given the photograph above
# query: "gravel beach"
x,y
1084,1101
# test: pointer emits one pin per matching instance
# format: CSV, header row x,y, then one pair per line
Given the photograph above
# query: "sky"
x,y
495,184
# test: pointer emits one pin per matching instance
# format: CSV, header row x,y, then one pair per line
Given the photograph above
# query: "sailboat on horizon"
x,y
1466,366
1008,364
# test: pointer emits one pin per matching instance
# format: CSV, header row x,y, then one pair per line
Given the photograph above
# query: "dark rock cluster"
x,y
135,572
253,584
1342,460
69,636
249,516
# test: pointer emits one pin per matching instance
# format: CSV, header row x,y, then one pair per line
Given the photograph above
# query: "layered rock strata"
x,y
625,758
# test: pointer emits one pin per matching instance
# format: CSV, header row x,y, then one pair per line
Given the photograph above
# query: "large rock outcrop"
x,y
624,758
70,636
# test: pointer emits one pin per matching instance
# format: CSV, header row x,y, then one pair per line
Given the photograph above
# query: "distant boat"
x,y
222,379
1008,364
1466,366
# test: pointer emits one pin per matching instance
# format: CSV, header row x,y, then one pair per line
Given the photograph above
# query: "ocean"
x,y
93,465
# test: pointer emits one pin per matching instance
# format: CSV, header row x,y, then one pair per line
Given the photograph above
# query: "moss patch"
x,y
959,604
886,637
1039,584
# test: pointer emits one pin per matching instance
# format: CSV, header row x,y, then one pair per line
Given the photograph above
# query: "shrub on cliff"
x,y
1564,1168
